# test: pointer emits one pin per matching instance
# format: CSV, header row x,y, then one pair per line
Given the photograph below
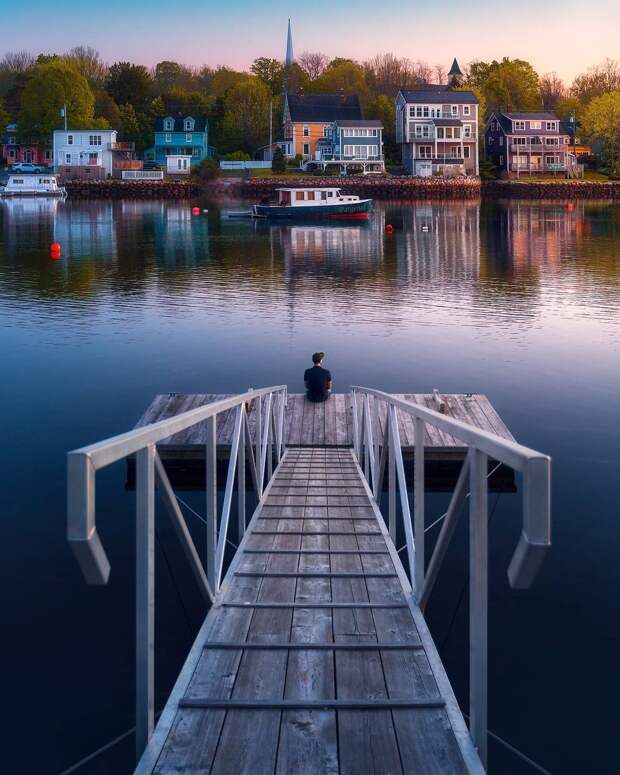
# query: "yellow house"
x,y
309,117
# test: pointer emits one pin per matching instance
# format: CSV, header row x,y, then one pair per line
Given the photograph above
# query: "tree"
x,y
346,76
130,129
386,74
246,117
384,109
171,76
567,107
87,62
50,88
4,116
552,90
601,121
598,80
106,108
313,63
278,163
14,65
128,83
511,84
270,72
224,79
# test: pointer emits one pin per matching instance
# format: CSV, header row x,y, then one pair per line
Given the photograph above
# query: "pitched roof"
x,y
534,115
432,93
324,107
200,123
373,122
455,69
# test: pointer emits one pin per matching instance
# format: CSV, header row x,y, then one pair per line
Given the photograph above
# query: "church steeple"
x,y
455,76
289,47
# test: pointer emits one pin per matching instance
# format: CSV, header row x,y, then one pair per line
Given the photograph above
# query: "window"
x,y
426,111
457,132
425,152
327,131
490,141
519,125
67,158
189,124
454,110
373,151
94,140
310,195
501,159
411,111
69,139
306,149
519,140
188,137
466,150
11,140
535,125
550,126
323,195
552,140
501,139
196,151
299,195
422,130
448,133
330,193
551,159
466,130
454,152
440,133
48,155
168,124
467,110
168,137
436,112
306,131
11,154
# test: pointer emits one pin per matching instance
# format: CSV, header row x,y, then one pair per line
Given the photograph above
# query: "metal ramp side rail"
x,y
375,453
82,465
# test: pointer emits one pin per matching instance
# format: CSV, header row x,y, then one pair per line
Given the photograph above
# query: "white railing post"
x,y
145,595
391,478
355,425
418,501
211,497
228,493
259,445
404,499
478,602
270,439
241,476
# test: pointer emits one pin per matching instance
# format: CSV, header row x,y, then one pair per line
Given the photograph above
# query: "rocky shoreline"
x,y
133,189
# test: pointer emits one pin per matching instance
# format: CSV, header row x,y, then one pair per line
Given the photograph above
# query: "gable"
x,y
323,108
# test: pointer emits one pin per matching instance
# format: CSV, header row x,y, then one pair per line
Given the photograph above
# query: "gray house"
x,y
437,128
351,143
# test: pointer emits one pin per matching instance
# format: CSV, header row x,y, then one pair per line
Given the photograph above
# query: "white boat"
x,y
42,184
314,203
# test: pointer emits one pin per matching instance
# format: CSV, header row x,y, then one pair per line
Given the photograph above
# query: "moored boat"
x,y
33,185
314,203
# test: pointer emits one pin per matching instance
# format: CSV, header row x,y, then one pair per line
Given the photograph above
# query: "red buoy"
x,y
55,250
389,228
195,210
569,207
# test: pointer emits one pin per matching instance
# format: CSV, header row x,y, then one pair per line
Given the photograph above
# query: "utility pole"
x,y
64,113
271,129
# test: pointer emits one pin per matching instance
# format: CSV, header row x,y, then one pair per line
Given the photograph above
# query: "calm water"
x,y
517,300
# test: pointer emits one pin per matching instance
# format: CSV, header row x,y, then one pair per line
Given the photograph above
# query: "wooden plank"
x,y
307,424
496,422
318,434
330,421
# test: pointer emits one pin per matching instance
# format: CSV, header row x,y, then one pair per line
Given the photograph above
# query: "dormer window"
x,y
168,124
189,124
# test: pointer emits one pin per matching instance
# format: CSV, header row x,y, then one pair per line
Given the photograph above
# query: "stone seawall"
x,y
562,189
133,189
371,187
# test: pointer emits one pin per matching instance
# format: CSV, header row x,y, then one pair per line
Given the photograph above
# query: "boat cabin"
x,y
303,197
32,185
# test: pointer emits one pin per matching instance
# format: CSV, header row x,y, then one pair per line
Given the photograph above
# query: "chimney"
x,y
342,93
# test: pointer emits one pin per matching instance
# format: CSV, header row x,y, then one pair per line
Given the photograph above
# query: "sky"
x,y
566,37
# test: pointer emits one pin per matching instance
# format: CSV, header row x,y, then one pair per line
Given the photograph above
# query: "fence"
x,y
142,175
245,165
375,453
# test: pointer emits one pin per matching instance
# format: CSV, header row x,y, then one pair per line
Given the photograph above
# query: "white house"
x,y
85,148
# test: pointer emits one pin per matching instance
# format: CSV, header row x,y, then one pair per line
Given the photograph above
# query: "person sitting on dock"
x,y
318,380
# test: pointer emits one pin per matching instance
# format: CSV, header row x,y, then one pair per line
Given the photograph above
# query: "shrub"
x,y
278,162
208,169
237,156
298,159
488,170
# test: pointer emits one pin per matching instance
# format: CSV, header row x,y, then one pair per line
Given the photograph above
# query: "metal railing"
x,y
375,453
82,533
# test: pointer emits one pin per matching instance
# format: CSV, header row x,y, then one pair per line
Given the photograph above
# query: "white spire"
x,y
289,47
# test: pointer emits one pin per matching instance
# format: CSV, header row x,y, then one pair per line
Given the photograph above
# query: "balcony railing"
x,y
122,147
538,148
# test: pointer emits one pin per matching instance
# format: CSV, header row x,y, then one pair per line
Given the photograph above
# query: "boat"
x,y
33,185
313,203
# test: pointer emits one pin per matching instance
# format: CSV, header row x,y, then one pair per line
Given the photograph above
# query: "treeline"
x,y
129,97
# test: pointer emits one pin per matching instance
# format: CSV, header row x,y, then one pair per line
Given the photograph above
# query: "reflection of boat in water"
x,y
314,203
33,186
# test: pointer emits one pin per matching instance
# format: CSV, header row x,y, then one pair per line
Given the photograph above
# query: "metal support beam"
x,y
145,595
478,602
402,487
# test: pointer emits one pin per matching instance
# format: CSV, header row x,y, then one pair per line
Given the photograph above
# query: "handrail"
x,y
377,451
82,465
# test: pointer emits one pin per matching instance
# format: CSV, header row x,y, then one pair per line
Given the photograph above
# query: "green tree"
x,y
130,128
567,107
4,116
106,108
270,72
278,163
601,121
171,76
246,117
511,84
345,75
384,109
600,79
223,80
87,62
128,83
51,87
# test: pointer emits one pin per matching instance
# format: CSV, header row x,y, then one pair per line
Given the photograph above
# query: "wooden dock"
x,y
315,657
327,424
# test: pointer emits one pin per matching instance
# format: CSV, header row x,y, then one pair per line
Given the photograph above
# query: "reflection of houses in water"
x,y
439,240
86,229
346,248
28,220
180,237
537,234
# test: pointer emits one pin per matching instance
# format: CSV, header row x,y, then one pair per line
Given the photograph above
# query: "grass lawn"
x,y
589,175
267,173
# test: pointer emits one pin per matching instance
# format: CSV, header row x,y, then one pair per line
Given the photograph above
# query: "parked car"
x,y
26,166
151,165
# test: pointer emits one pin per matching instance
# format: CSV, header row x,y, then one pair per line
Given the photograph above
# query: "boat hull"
x,y
33,194
343,210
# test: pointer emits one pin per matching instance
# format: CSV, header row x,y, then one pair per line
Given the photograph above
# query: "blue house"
x,y
181,136
356,143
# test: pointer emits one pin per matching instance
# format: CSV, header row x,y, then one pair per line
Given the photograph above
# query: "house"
x,y
351,144
576,146
308,118
91,153
181,136
14,152
437,128
528,142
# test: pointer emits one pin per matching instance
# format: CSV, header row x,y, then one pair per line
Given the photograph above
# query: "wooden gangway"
x,y
314,655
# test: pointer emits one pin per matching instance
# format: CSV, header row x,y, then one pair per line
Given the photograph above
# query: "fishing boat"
x,y
313,203
33,185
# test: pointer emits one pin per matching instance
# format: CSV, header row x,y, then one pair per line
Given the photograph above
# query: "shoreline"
x,y
402,189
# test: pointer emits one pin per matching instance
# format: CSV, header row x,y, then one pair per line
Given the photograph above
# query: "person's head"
x,y
317,358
